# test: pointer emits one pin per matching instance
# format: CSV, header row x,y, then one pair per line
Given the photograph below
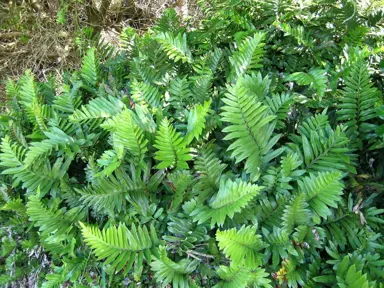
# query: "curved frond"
x,y
171,147
121,247
232,197
242,246
170,272
251,127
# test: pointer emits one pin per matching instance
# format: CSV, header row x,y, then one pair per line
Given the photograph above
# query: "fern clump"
x,y
243,151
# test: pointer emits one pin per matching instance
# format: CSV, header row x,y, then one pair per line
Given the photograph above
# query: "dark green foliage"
x,y
243,152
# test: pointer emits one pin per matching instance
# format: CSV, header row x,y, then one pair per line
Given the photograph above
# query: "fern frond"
x,y
121,247
296,213
316,78
90,68
357,105
233,276
170,272
210,168
51,220
279,105
196,121
145,94
97,110
232,197
248,56
175,46
322,191
171,147
108,195
127,133
242,246
252,127
11,156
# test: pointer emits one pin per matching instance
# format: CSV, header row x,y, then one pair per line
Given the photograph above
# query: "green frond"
x,y
232,197
121,247
68,101
28,90
179,182
196,121
269,211
11,156
180,93
296,213
109,195
175,46
233,276
316,78
145,94
56,138
210,168
242,246
280,246
127,132
90,68
202,87
170,272
322,191
280,105
358,103
248,56
251,127
51,220
171,147
97,110
302,37
322,148
42,175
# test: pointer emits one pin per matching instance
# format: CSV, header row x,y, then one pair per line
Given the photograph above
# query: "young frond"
x,y
127,132
175,46
249,55
145,94
232,197
90,68
316,78
296,213
97,110
242,246
171,147
210,168
11,156
251,127
170,272
121,247
51,220
357,105
233,276
196,121
322,191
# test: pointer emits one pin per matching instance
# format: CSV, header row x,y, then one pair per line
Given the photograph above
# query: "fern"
x,y
357,106
90,68
316,78
175,46
172,150
322,191
122,247
127,133
196,121
249,55
168,271
232,197
96,111
241,246
252,129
